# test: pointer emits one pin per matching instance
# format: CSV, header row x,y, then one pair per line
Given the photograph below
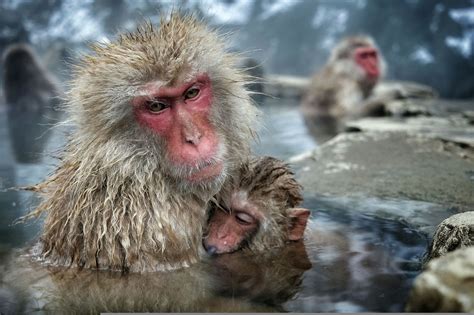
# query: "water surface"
x,y
353,260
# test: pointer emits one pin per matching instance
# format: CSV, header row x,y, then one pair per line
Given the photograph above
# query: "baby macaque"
x,y
260,213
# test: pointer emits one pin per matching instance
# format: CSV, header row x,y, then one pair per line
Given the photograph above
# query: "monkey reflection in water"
x,y
237,282
32,97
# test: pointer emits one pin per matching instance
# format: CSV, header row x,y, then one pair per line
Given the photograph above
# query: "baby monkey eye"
x,y
191,93
243,218
155,106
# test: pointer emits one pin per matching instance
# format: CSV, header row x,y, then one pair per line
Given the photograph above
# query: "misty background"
x,y
427,41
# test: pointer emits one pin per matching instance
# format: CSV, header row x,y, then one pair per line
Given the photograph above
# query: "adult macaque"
x,y
344,86
32,97
162,121
260,213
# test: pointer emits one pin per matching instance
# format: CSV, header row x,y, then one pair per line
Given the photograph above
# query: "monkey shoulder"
x,y
321,93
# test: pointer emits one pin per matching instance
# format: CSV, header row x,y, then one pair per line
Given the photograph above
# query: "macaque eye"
x,y
191,93
155,106
243,218
366,55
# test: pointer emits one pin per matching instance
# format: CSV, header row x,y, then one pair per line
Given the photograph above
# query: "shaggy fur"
x,y
340,89
270,185
114,202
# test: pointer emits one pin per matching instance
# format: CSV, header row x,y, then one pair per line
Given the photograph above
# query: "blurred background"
x,y
381,241
427,41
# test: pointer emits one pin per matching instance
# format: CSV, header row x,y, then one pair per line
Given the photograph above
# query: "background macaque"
x,y
32,97
260,212
344,86
162,120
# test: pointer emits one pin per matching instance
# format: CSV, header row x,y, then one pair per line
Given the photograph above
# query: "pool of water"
x,y
352,260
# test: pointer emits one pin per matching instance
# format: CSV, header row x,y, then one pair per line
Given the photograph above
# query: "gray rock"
x,y
391,165
455,232
295,86
455,128
446,286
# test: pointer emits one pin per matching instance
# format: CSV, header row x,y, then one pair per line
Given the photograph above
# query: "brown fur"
x,y
269,184
26,83
340,89
32,97
114,202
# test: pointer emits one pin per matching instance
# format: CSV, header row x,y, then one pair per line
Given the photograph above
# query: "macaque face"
x,y
367,58
230,230
180,116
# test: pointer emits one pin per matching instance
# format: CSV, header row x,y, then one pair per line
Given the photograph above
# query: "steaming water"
x,y
355,260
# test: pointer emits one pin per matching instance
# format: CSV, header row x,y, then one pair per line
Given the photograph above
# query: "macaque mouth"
x,y
207,172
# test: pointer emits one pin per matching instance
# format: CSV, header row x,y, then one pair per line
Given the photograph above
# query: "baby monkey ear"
x,y
298,220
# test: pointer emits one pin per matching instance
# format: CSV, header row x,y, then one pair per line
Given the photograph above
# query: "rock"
x,y
447,120
455,232
446,286
391,165
406,89
286,86
295,86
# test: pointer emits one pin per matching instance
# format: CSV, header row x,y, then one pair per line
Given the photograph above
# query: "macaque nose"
x,y
211,250
193,137
190,130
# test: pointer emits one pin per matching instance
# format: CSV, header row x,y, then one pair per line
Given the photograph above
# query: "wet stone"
x,y
390,165
446,286
455,232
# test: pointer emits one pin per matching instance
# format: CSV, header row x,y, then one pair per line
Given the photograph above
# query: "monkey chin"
x,y
207,173
207,179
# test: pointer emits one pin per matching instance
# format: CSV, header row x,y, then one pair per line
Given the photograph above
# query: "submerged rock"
x,y
446,286
455,232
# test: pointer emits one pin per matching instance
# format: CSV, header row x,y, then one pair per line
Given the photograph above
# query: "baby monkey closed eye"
x,y
260,212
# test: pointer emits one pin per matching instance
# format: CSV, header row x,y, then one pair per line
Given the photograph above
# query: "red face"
x,y
228,230
180,116
367,58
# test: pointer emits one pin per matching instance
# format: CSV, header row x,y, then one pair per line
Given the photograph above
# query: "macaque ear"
x,y
299,219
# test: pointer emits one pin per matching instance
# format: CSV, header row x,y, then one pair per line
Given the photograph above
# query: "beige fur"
x,y
114,202
269,184
340,89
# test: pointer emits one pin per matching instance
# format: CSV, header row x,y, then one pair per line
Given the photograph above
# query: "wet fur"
x,y
114,203
340,89
270,185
